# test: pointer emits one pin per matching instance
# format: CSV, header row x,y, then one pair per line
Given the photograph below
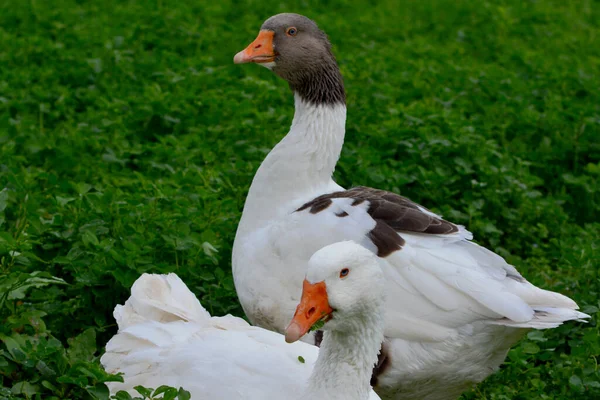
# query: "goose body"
x,y
453,308
166,337
165,341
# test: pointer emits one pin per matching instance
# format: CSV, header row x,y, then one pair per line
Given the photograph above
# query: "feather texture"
x,y
453,309
166,337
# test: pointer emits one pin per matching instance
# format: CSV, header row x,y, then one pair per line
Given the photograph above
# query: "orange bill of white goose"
x,y
453,307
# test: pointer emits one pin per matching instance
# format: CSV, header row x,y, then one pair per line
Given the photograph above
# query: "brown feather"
x,y
393,214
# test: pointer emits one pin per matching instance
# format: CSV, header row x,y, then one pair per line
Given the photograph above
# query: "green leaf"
x,y
89,238
317,325
25,388
122,395
537,336
3,199
168,392
90,370
44,369
143,391
99,391
589,309
78,380
301,359
83,346
36,279
62,201
530,348
82,188
13,347
6,237
210,251
183,394
592,384
576,382
49,386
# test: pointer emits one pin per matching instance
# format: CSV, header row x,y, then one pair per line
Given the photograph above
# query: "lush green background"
x,y
128,140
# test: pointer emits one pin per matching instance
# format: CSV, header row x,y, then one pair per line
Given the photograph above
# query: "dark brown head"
x,y
294,47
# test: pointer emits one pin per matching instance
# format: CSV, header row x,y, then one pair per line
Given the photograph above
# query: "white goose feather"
x,y
166,337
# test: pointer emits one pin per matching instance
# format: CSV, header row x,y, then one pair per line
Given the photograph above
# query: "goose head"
x,y
294,48
344,286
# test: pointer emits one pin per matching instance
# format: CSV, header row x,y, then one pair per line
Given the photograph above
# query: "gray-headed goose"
x,y
453,308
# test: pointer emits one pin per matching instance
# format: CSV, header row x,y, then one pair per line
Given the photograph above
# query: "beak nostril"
x,y
310,312
258,46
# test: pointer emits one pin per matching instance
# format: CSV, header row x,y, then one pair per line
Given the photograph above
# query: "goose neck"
x,y
313,145
346,359
301,165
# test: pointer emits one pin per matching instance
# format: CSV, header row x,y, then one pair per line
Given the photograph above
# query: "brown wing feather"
x,y
398,212
393,213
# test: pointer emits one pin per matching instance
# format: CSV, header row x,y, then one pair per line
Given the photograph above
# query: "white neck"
x,y
302,163
346,360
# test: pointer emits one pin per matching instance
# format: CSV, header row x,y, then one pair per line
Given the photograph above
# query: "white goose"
x,y
453,308
167,338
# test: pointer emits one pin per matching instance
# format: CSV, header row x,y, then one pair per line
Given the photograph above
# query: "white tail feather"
x,y
160,313
161,298
545,318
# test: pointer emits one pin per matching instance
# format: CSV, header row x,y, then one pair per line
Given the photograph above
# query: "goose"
x,y
166,337
453,308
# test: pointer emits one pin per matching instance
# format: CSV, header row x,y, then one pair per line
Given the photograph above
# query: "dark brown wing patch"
x,y
403,214
317,205
383,362
318,338
393,213
385,238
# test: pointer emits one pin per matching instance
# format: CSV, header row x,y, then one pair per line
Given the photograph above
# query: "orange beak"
x,y
314,306
259,51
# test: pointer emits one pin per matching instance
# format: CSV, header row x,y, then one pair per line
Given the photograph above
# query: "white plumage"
x,y
166,337
453,307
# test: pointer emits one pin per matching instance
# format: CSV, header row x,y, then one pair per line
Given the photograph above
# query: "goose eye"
x,y
344,273
291,31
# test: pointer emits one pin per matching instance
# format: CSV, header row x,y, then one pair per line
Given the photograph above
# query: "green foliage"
x,y
41,367
128,140
165,393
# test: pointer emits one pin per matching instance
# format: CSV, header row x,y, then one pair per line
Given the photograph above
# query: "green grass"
x,y
128,140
